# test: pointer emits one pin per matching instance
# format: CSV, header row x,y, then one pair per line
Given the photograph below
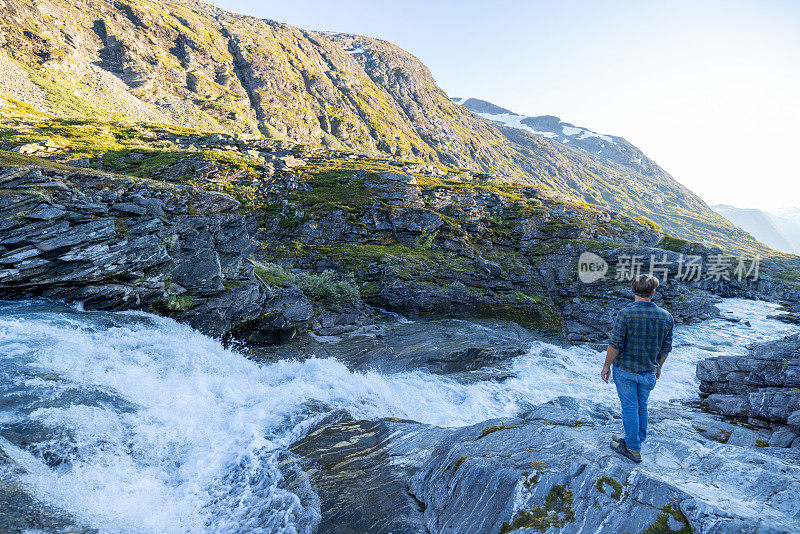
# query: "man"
x,y
639,345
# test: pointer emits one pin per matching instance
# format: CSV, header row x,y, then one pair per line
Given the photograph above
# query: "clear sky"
x,y
709,90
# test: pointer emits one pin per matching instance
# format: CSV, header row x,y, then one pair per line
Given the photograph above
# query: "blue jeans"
x,y
633,390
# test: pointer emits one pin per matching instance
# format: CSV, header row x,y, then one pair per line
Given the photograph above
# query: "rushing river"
x,y
134,423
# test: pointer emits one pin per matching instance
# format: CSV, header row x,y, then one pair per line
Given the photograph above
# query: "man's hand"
x,y
605,373
658,372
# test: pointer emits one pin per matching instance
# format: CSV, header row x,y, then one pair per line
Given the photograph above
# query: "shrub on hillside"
x,y
326,289
273,274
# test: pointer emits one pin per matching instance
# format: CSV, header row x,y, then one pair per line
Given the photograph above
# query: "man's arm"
x,y
666,347
615,345
661,360
611,355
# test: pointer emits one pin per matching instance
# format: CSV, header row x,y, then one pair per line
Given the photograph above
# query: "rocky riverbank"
x,y
360,439
761,387
412,238
117,243
422,241
549,469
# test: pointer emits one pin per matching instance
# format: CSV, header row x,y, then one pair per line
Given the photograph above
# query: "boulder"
x,y
282,317
774,404
489,267
29,148
794,420
782,438
761,385
398,177
201,273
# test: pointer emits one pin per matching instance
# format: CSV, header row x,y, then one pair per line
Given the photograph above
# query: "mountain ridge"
x,y
194,65
617,149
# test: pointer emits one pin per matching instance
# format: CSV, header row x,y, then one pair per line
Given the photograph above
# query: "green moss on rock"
x,y
542,316
662,522
494,428
175,303
555,512
272,274
616,487
458,463
673,243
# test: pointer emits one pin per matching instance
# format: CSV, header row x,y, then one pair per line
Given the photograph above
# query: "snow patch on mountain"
x,y
588,133
515,121
542,125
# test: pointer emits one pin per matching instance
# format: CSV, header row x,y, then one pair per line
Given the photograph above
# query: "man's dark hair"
x,y
644,285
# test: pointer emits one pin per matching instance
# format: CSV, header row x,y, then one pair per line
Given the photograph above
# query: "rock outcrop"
x,y
415,239
119,243
550,470
761,387
459,245
554,469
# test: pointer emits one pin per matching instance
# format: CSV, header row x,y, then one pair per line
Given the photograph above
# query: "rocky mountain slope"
x,y
621,176
191,64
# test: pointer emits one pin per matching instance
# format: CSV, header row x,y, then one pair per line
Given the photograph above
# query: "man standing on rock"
x,y
640,342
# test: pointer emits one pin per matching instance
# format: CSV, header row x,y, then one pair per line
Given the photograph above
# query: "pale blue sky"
x,y
709,90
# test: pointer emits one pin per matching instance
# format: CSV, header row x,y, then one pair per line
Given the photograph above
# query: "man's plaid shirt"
x,y
642,334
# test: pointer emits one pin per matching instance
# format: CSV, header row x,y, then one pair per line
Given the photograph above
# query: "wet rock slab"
x,y
360,470
21,512
447,346
554,469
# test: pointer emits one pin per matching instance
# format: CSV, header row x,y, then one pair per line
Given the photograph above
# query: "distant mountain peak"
x,y
791,213
777,231
477,105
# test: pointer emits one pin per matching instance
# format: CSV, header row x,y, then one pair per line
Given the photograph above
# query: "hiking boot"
x,y
621,448
615,437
